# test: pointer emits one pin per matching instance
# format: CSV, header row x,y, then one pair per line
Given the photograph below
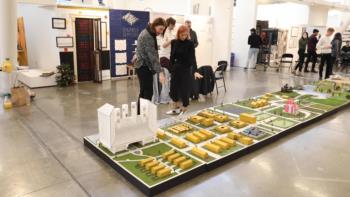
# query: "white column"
x,y
8,39
8,33
244,19
222,30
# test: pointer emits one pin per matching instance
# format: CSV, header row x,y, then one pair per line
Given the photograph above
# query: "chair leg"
x,y
223,79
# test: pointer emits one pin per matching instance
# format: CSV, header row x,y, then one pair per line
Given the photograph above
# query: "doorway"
x,y
88,48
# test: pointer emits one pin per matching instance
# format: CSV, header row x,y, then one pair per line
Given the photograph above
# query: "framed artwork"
x,y
104,34
64,42
58,23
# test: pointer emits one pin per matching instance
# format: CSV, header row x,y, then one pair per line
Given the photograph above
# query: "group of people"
x,y
174,65
329,47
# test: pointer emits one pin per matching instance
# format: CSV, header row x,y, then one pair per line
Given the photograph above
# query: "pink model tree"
x,y
291,107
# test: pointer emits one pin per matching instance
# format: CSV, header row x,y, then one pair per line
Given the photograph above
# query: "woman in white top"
x,y
164,55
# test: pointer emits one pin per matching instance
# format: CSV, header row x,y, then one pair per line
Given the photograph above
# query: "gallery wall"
x,y
40,37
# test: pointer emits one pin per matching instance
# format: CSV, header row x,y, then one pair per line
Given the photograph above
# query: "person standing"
x,y
302,48
183,63
336,48
324,46
345,56
254,41
311,51
193,37
147,59
161,91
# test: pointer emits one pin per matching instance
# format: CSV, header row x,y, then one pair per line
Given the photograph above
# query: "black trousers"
x,y
326,58
311,56
301,53
146,84
181,86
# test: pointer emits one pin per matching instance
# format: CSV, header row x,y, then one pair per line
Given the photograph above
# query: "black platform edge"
x,y
142,187
206,167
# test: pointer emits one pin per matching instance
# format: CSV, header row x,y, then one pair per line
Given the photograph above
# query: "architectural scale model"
x,y
155,157
118,128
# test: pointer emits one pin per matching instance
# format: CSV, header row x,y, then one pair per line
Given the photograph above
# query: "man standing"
x,y
311,51
254,41
193,34
325,48
194,39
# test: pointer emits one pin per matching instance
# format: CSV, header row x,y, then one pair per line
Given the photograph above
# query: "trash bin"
x,y
232,60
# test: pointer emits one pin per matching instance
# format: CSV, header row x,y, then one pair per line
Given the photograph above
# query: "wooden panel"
x,y
21,43
67,58
105,61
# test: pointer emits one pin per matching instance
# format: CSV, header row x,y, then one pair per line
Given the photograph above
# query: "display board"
x,y
125,27
195,143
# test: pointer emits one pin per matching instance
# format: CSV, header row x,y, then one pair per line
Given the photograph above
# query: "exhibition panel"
x,y
191,144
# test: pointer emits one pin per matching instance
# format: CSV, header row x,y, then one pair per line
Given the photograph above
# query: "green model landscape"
x,y
271,119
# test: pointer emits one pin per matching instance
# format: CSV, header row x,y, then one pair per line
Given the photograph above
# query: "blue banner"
x,y
125,27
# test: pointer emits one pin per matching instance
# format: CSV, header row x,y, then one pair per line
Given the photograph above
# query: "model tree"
x,y
65,76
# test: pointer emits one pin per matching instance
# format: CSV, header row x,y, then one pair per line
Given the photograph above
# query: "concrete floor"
x,y
42,154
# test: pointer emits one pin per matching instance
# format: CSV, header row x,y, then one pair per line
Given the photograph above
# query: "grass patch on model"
x,y
156,150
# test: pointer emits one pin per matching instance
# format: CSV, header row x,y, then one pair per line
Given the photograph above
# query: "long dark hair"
x,y
302,35
157,22
337,36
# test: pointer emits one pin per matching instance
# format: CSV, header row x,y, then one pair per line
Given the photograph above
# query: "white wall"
x,y
222,26
40,37
298,14
318,16
181,7
243,20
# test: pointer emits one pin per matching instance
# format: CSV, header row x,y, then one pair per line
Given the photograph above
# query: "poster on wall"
x,y
125,27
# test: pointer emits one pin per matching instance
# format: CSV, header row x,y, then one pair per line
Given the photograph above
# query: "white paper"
x,y
120,58
121,70
120,45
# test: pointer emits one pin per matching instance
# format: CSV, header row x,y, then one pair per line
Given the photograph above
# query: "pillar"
x,y
8,38
244,18
222,30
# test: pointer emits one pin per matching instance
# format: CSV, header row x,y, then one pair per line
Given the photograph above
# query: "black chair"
x,y
220,75
287,58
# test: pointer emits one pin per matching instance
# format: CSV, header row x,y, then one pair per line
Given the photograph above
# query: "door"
x,y
97,54
84,32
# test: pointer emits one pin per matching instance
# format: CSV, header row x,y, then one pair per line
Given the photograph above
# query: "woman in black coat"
x,y
182,61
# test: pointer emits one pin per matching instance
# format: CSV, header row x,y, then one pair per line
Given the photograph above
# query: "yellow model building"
x,y
196,119
178,143
223,129
228,141
192,138
221,118
178,160
178,129
259,103
144,161
155,169
172,157
206,133
200,153
163,172
149,165
167,154
207,114
213,148
200,135
248,118
186,164
238,124
161,135
222,144
246,140
207,122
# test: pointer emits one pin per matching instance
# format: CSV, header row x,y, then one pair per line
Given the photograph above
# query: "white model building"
x,y
118,128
